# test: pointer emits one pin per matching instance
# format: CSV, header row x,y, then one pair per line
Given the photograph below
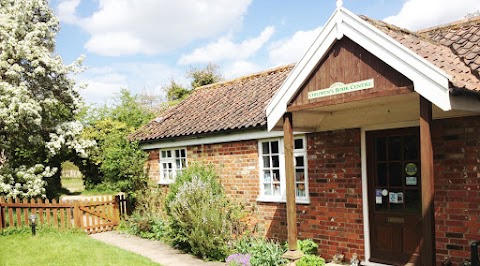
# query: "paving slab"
x,y
154,250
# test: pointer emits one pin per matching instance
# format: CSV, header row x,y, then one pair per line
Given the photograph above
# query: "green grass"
x,y
53,247
73,184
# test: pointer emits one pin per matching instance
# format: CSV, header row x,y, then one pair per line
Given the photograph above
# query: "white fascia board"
x,y
213,139
278,105
429,81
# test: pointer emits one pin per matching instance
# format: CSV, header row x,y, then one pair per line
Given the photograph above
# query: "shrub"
x,y
200,220
311,260
238,260
307,246
263,252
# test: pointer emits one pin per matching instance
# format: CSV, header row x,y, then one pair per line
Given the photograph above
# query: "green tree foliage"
x,y
199,77
208,75
116,163
38,102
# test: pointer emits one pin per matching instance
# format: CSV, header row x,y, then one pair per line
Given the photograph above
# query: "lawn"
x,y
73,184
53,247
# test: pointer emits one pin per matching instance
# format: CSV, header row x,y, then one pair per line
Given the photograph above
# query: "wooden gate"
x,y
96,214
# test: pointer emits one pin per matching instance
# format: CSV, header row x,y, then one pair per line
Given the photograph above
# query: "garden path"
x,y
154,250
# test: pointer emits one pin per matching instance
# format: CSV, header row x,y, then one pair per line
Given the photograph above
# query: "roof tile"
x,y
227,106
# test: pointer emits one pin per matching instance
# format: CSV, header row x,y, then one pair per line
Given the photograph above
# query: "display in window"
x,y
301,190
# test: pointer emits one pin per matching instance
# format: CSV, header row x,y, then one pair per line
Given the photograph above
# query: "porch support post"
x,y
292,254
426,154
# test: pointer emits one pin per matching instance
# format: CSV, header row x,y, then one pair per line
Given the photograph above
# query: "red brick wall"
x,y
334,216
456,148
237,165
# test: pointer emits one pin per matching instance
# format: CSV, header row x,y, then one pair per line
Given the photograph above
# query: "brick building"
x,y
382,126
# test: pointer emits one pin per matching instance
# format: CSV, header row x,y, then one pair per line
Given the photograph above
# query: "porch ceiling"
x,y
378,111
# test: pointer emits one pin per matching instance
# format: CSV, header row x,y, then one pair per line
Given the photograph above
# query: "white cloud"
x,y
66,11
240,68
290,50
105,82
420,14
225,49
128,27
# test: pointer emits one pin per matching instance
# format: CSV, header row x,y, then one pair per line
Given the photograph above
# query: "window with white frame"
x,y
172,162
272,170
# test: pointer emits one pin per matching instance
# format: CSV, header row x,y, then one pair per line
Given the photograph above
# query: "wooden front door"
x,y
393,159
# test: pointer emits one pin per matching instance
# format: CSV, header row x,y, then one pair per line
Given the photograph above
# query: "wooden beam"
x,y
426,154
290,181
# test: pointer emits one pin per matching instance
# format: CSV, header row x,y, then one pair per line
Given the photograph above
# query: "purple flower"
x,y
238,259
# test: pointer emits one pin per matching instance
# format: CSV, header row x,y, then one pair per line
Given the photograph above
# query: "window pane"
x,y
164,154
276,175
184,163
266,161
267,189
381,175
412,200
275,161
395,148
265,148
381,149
298,144
300,190
395,172
299,175
276,189
169,153
178,163
177,153
267,178
183,153
274,146
299,161
411,147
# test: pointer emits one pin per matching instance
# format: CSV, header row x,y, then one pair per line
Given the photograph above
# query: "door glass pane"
x,y
395,148
381,149
276,175
412,200
267,178
411,147
382,174
395,174
267,189
396,199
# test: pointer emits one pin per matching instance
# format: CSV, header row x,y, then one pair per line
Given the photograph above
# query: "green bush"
x,y
263,252
311,260
202,172
307,246
200,218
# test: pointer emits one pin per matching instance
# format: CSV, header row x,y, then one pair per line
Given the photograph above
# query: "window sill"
x,y
283,200
162,182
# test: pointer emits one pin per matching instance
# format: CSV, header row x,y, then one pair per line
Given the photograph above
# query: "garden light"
x,y
33,220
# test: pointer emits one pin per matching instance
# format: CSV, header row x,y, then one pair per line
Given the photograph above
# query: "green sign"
x,y
339,88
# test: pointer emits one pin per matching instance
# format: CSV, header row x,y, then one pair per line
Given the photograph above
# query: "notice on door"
x,y
378,196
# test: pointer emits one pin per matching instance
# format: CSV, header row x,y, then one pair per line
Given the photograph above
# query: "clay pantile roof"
x,y
438,53
221,107
463,37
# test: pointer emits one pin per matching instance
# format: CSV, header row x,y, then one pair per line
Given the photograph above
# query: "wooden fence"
x,y
94,215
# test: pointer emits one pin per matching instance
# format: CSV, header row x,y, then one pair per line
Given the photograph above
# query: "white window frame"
x,y
172,160
296,153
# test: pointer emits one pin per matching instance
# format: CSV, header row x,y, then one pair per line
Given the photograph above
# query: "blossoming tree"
x,y
38,102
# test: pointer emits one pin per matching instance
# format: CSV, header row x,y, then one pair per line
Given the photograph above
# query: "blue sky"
x,y
141,45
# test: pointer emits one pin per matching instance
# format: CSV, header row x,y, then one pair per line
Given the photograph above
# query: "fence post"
x,y
77,214
2,217
116,208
